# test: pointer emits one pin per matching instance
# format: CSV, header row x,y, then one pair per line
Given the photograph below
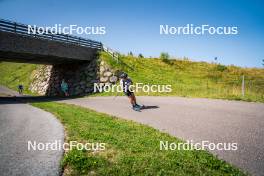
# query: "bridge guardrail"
x,y
22,29
111,52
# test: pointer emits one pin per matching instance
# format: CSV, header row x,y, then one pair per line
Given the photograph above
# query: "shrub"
x,y
165,57
140,56
221,68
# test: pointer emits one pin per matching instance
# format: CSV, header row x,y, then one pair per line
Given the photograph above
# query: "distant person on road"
x,y
20,89
64,88
126,82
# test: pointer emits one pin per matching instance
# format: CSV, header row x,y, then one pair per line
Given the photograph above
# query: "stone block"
x,y
108,73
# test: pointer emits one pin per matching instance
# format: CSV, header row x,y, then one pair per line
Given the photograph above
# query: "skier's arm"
x,y
129,82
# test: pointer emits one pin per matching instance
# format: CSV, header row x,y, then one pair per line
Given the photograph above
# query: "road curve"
x,y
216,121
20,123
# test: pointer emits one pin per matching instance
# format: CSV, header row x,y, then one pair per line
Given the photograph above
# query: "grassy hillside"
x,y
13,74
131,148
192,79
188,79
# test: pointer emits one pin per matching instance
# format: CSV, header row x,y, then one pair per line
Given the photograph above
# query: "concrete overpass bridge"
x,y
64,57
18,45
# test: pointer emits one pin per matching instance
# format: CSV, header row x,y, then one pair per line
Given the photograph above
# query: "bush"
x,y
140,56
165,57
221,68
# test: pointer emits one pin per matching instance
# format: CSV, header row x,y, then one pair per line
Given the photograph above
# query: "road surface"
x,y
20,123
216,121
196,119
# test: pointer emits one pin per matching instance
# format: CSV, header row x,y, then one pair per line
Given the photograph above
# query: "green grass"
x,y
192,79
131,148
188,78
13,74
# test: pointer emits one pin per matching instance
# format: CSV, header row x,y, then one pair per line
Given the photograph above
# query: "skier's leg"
x,y
135,101
131,99
134,98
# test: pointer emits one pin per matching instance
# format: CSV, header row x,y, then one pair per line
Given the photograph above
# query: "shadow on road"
x,y
149,107
32,99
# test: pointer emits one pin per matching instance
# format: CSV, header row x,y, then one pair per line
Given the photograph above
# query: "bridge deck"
x,y
17,45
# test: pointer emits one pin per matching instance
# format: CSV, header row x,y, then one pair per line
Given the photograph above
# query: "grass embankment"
x,y
13,74
131,148
188,79
192,79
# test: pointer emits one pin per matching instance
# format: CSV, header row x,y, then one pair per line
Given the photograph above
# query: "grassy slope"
x,y
193,79
13,74
131,148
189,79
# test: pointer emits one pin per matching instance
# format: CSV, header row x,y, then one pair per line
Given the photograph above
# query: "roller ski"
x,y
138,107
135,108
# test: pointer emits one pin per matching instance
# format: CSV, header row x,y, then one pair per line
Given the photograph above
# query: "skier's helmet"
x,y
123,75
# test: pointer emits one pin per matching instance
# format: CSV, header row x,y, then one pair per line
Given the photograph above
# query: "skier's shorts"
x,y
128,93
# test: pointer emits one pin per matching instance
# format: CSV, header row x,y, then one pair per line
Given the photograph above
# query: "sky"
x,y
134,25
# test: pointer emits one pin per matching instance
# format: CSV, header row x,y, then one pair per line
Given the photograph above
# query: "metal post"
x,y
243,86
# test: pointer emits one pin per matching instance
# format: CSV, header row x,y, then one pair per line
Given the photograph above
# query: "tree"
x,y
165,57
263,62
140,55
130,53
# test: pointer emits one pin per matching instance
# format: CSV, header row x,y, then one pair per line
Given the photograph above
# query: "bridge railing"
x,y
22,29
111,52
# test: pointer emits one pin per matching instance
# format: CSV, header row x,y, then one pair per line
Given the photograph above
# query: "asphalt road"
x,y
216,121
20,123
196,119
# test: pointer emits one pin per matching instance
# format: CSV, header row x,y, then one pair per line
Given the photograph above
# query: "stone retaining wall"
x,y
79,76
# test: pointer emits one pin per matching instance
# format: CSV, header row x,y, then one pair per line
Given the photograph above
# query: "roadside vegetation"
x,y
191,79
131,148
187,78
13,74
